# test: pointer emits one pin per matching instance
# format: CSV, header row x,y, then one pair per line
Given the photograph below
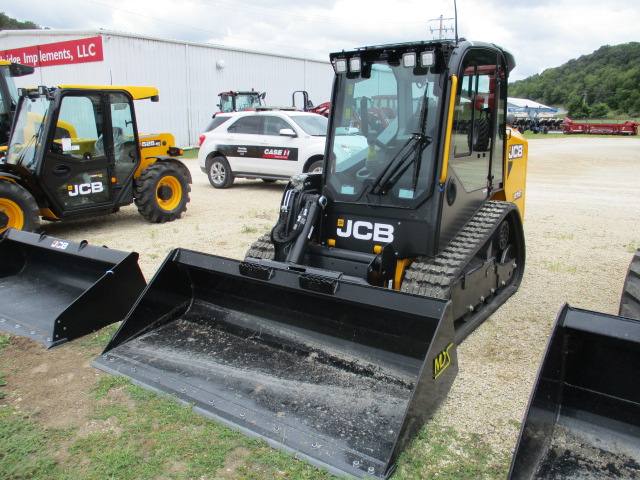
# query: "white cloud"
x,y
540,34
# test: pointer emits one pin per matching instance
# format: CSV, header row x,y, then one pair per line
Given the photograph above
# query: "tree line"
x,y
8,23
595,85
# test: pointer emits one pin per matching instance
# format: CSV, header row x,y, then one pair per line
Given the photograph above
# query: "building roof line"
x,y
102,32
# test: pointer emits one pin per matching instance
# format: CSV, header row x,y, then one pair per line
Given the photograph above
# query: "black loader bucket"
x,y
54,290
583,420
338,373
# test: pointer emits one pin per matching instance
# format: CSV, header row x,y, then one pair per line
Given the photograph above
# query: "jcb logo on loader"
x,y
516,151
85,189
441,362
361,230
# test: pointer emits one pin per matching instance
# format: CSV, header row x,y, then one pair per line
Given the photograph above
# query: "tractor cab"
x,y
237,101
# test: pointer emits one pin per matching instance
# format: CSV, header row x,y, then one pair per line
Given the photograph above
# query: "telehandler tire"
x,y
162,192
262,248
18,208
630,301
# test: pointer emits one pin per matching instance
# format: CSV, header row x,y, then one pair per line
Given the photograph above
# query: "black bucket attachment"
x,y
341,374
583,419
54,290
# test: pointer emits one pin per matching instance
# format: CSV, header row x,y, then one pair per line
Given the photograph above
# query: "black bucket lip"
x,y
213,407
358,464
17,327
66,247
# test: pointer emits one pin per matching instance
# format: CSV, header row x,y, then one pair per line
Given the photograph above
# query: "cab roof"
x,y
138,93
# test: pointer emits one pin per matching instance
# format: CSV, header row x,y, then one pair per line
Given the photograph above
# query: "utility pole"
x,y
441,28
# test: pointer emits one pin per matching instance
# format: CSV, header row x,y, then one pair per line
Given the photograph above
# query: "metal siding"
x,y
184,73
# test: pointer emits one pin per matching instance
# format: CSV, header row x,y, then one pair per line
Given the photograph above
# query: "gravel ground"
x,y
583,206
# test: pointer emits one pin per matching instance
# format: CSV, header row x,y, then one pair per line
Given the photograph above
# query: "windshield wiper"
x,y
399,164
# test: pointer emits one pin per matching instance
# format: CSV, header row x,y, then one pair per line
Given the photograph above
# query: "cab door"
x,y
279,153
76,170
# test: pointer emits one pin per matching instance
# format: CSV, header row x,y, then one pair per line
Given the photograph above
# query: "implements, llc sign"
x,y
60,53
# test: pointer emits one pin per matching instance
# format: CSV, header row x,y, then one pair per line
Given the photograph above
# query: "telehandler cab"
x,y
75,152
336,337
9,95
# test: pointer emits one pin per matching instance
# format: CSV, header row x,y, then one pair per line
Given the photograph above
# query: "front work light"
x,y
355,64
340,65
427,59
409,60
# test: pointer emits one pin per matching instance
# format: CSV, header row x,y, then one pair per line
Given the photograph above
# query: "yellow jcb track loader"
x,y
583,418
336,337
75,152
9,96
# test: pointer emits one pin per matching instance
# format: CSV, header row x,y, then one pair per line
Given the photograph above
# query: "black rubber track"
x,y
630,301
435,276
262,248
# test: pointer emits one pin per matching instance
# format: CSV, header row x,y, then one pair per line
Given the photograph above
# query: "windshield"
x,y
11,87
25,138
314,125
382,148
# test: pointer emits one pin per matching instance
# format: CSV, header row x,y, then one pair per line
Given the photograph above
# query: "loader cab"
x,y
78,147
389,146
240,101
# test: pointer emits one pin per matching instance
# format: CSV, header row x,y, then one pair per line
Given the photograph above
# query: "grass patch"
x,y
22,454
632,246
247,229
442,452
559,236
560,267
189,154
107,383
100,338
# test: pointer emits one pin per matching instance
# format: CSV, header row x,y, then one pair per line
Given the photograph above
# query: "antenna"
x,y
455,15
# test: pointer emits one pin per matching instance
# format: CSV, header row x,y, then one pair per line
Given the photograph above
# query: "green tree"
x,y
599,110
8,23
609,76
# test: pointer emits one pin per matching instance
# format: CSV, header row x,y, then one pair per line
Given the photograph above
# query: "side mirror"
x,y
287,132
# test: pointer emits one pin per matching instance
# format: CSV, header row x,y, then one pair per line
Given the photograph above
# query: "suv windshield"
x,y
25,139
314,125
382,135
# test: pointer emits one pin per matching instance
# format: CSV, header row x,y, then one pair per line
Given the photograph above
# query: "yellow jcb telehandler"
x,y
75,152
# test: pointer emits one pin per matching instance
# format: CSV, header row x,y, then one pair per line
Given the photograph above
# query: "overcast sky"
x,y
540,33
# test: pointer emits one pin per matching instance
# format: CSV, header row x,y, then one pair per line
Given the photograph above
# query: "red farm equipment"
x,y
627,128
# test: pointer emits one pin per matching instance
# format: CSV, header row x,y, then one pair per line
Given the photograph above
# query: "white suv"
x,y
269,144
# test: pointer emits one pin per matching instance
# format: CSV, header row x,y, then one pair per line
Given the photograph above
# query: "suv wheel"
x,y
219,173
316,167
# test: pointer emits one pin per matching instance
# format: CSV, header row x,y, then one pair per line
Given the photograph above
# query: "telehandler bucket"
x,y
339,373
54,290
583,419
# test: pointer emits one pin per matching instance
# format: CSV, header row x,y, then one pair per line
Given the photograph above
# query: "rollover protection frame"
x,y
54,290
320,365
583,418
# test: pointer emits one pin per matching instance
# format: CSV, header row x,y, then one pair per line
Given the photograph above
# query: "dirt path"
x,y
582,225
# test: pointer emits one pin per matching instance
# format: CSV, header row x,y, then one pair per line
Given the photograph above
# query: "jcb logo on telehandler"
x,y
442,361
361,230
85,189
516,151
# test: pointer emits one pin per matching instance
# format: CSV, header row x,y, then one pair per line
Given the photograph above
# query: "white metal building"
x,y
188,75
